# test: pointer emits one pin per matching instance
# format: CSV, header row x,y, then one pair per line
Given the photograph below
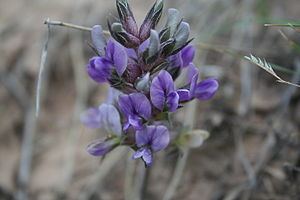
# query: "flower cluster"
x,y
141,65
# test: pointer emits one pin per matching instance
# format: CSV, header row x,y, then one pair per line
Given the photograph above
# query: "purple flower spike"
x,y
91,118
162,92
206,89
187,55
151,139
136,107
99,69
100,147
117,54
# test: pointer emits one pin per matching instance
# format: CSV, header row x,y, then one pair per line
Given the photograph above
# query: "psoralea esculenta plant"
x,y
141,66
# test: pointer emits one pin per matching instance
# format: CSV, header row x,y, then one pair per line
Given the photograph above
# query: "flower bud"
x,y
143,84
126,17
151,20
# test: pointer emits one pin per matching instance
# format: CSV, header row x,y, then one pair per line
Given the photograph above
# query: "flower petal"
x,y
161,86
91,118
100,147
125,105
172,101
147,157
184,95
187,55
160,138
141,105
99,69
117,54
206,89
110,119
143,137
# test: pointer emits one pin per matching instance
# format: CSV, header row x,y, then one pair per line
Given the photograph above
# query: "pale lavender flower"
x,y
91,118
151,139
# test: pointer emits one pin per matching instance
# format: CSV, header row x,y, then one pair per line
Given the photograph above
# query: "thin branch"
x,y
41,72
73,26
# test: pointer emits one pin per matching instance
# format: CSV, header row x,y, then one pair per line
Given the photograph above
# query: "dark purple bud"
x,y
100,147
126,17
126,39
99,69
151,20
206,89
98,39
187,55
91,118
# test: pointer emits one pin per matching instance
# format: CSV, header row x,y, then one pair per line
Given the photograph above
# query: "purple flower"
x,y
136,108
106,117
99,69
100,147
150,139
91,118
162,92
204,90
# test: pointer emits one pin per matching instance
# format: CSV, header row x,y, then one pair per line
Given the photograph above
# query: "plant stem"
x,y
73,26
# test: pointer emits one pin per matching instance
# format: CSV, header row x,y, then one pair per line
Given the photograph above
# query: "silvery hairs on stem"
x,y
141,64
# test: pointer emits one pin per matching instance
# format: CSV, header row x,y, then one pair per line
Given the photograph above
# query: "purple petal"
x,y
141,105
117,54
139,153
147,157
110,119
187,55
161,86
99,69
125,105
192,70
184,95
143,137
131,53
206,89
172,101
91,118
145,154
160,138
100,148
136,122
176,60
144,46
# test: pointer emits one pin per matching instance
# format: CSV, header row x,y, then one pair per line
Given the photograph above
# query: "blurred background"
x,y
253,149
